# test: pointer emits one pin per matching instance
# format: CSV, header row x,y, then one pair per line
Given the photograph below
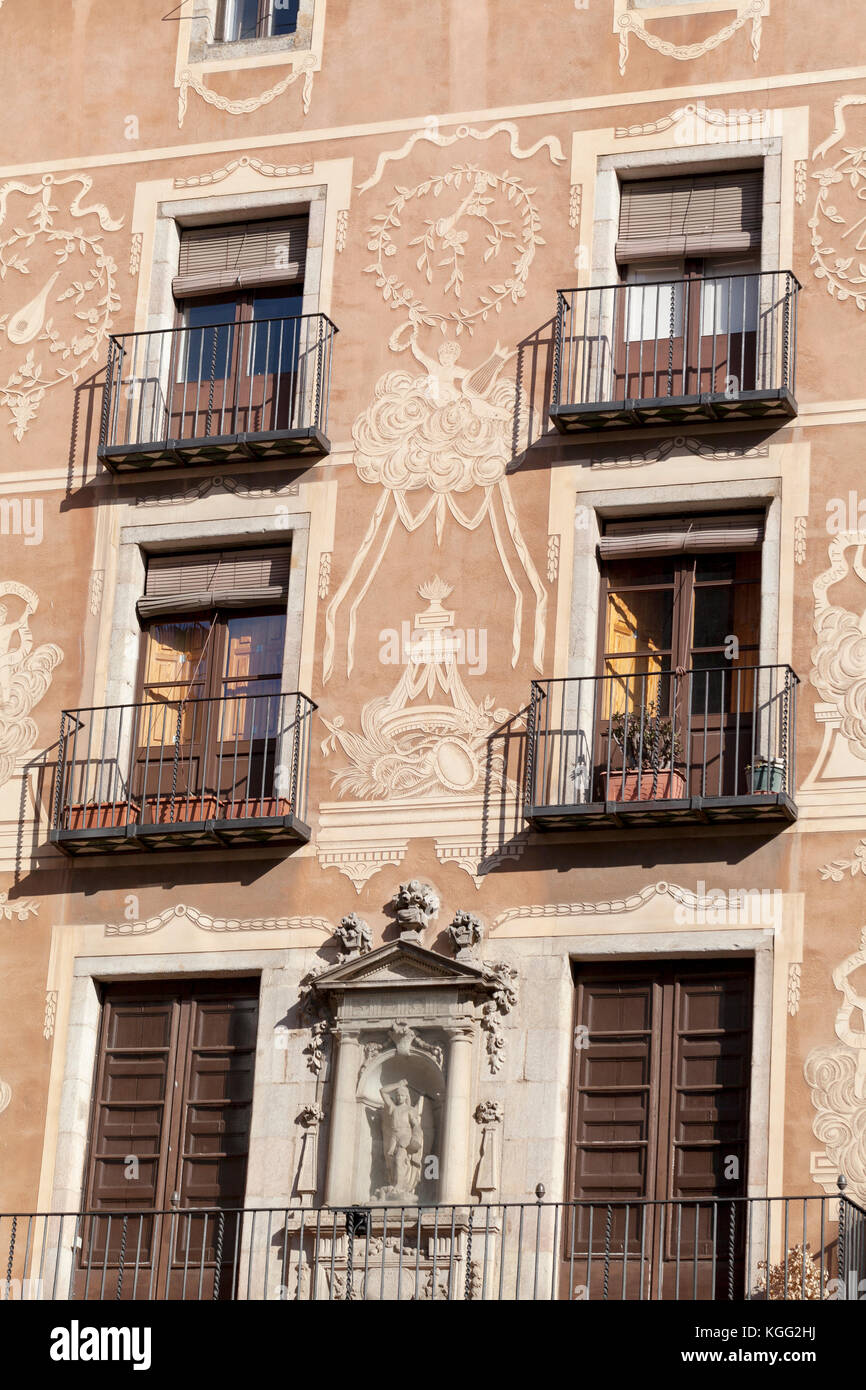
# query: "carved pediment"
x,y
401,963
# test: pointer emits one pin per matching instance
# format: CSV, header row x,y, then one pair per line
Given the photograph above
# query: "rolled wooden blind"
x,y
633,540
214,260
703,215
204,580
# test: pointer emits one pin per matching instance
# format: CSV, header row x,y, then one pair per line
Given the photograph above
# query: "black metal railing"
x,y
715,347
175,763
701,737
252,387
715,1248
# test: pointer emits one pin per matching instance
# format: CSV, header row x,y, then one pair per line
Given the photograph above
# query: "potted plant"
x,y
650,747
767,774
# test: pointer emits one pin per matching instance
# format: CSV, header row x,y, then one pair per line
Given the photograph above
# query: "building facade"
x,y
432,664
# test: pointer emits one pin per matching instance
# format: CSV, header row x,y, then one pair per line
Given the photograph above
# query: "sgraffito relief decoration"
x,y
135,248
836,1075
51,253
800,523
838,212
630,22
417,749
304,67
837,869
795,972
5,1094
50,1016
839,667
700,448
25,674
20,908
217,482
245,161
433,136
205,922
449,430
742,124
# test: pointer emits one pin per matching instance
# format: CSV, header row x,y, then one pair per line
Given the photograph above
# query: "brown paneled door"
x,y
169,1137
659,1125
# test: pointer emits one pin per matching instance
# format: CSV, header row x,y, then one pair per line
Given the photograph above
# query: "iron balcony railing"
x,y
708,347
251,389
715,742
714,1248
174,770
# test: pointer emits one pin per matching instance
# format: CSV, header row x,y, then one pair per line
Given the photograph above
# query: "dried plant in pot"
x,y
650,748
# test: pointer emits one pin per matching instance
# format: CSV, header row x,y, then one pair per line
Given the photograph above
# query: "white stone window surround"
x,y
757,945
172,215
199,51
138,541
82,1036
630,503
686,159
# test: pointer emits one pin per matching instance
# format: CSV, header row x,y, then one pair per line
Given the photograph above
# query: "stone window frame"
x,y
82,1038
175,214
670,161
199,52
138,541
629,503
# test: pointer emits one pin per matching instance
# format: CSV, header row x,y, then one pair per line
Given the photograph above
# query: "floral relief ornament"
x,y
305,67
25,675
25,237
843,272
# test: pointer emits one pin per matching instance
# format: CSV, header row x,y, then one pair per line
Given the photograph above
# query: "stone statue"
x,y
402,1142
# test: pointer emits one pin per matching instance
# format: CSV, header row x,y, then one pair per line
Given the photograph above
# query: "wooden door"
x,y
659,1123
169,1137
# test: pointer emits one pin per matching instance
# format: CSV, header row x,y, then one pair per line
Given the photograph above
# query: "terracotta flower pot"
x,y
161,810
252,808
101,815
644,786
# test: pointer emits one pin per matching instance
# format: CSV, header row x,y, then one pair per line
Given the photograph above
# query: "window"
x,y
675,592
239,294
173,1089
211,702
660,1104
256,19
689,252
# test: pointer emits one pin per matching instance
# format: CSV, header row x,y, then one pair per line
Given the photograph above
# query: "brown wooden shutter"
x,y
632,540
214,260
204,580
706,214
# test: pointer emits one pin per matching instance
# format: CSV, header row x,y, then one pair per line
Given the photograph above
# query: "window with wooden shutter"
x,y
659,1120
203,580
693,217
241,256
169,1131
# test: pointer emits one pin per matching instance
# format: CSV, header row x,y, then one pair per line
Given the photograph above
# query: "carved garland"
x,y
397,293
205,922
305,68
631,23
246,161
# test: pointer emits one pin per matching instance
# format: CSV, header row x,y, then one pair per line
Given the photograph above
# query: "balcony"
x,y
711,1248
183,774
253,390
681,352
662,747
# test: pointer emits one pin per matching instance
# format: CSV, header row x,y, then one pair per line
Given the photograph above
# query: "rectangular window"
x,y
256,19
169,1131
213,722
659,1114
